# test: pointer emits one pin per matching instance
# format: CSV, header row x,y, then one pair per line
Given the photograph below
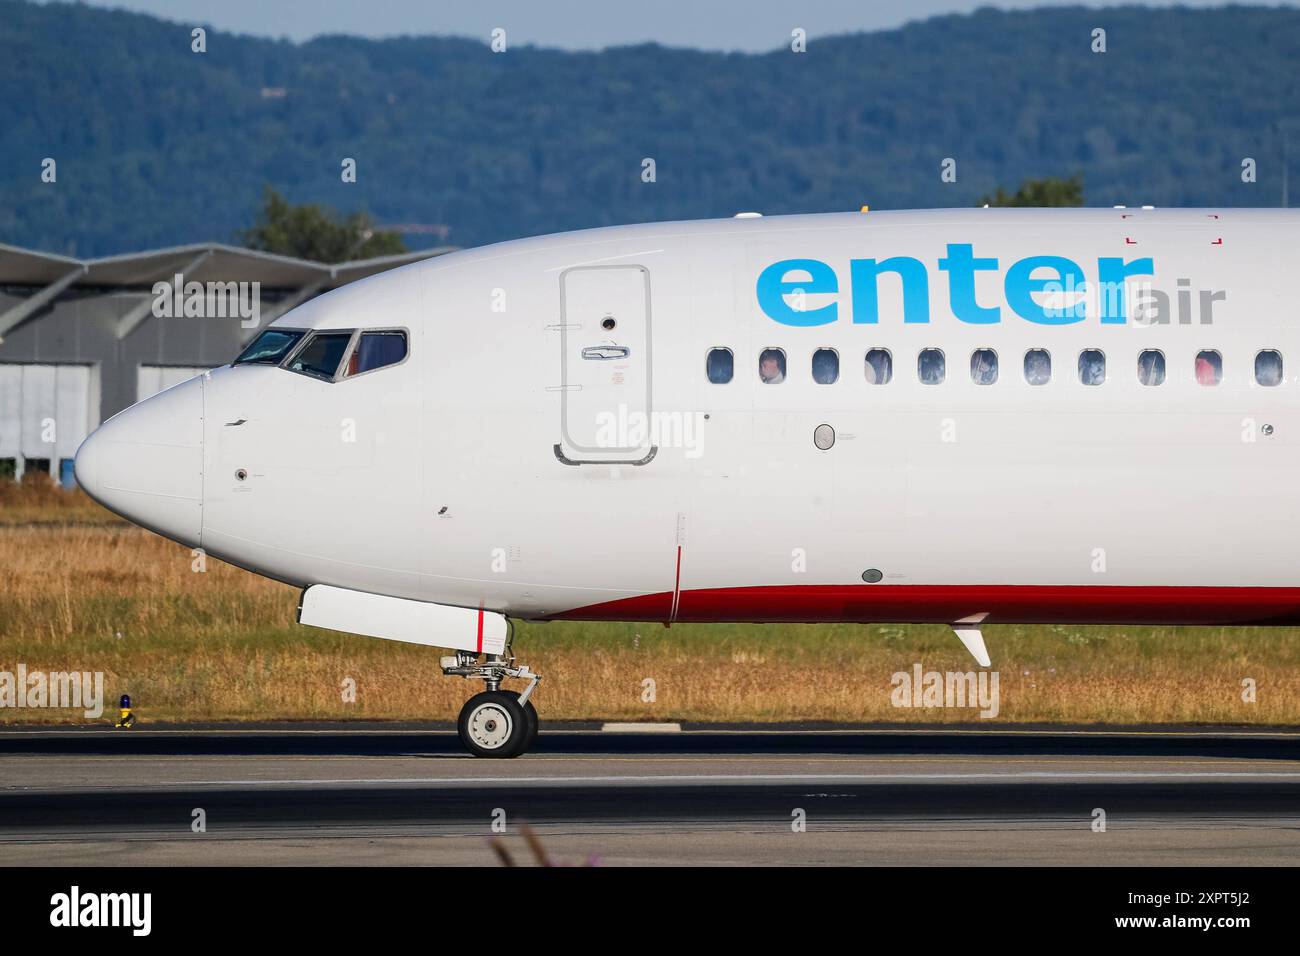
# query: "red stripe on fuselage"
x,y
480,630
677,584
943,604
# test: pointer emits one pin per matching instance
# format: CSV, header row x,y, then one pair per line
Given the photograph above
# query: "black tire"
x,y
534,722
492,724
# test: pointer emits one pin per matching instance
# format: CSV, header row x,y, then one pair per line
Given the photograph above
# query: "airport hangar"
x,y
79,340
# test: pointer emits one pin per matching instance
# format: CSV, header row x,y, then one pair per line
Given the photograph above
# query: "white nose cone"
x,y
146,463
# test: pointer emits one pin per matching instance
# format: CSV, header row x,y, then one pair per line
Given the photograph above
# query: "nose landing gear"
x,y
495,723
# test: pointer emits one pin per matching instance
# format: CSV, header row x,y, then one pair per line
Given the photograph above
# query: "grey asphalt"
x,y
406,794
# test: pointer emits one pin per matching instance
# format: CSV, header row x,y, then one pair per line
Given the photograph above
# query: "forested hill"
x,y
157,145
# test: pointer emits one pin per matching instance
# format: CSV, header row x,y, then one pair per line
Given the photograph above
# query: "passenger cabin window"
x,y
930,367
879,366
321,356
826,366
1151,367
720,366
270,347
984,366
376,350
771,366
1268,368
1209,368
1038,367
1092,367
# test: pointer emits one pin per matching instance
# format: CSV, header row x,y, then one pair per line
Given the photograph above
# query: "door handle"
x,y
602,353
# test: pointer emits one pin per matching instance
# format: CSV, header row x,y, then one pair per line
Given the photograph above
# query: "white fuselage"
x,y
527,459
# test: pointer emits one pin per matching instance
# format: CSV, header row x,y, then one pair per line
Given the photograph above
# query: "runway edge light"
x,y
125,716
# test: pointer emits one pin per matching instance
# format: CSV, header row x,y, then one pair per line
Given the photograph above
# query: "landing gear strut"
x,y
496,722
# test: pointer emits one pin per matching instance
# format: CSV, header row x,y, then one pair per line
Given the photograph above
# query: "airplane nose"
x,y
146,463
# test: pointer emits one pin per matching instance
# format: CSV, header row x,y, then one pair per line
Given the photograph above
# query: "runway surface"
x,y
400,794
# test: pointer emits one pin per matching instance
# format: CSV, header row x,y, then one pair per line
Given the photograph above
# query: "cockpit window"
x,y
376,350
322,354
270,347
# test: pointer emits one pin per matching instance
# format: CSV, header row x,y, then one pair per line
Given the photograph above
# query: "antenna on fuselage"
x,y
968,632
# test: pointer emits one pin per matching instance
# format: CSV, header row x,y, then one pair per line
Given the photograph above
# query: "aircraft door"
x,y
606,395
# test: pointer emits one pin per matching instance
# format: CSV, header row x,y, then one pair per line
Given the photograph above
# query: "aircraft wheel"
x,y
534,722
492,724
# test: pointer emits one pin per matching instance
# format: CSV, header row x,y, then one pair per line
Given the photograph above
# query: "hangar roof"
x,y
27,267
200,262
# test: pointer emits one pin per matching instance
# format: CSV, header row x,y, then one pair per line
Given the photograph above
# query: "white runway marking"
x,y
635,728
707,779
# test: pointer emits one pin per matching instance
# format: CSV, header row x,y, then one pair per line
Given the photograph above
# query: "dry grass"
x,y
79,590
39,501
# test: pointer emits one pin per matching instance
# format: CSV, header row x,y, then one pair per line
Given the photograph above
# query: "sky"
x,y
744,25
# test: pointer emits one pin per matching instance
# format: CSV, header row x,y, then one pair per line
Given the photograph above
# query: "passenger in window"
x,y
825,366
1268,368
771,366
879,367
1151,368
1092,367
1209,368
720,366
1038,367
930,367
984,367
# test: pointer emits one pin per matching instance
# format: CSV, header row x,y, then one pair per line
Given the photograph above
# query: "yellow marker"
x,y
865,209
124,716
